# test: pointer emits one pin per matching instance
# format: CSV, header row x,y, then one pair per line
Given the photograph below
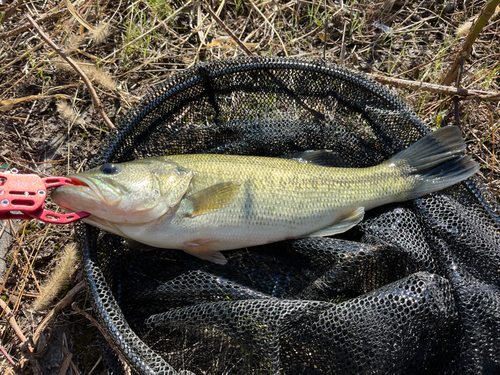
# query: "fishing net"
x,y
414,288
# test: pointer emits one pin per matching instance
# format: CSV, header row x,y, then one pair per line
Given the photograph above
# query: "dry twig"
x,y
68,59
104,334
7,356
8,104
12,7
439,89
223,25
493,141
26,26
68,298
482,20
12,322
270,25
66,354
65,364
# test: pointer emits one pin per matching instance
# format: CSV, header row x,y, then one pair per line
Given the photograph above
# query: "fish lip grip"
x,y
26,193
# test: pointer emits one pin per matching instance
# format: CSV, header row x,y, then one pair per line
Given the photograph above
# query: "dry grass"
x,y
97,76
68,113
58,278
126,47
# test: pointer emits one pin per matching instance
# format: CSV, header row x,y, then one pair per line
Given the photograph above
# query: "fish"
x,y
207,203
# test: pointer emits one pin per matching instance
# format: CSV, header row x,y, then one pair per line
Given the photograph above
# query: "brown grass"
x,y
58,279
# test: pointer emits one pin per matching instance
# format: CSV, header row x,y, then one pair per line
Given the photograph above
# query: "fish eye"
x,y
110,168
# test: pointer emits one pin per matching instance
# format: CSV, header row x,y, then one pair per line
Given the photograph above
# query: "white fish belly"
x,y
220,233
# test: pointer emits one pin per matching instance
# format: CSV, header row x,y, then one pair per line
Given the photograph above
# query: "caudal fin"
x,y
438,161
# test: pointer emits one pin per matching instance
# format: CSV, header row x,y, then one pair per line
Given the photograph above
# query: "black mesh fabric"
x,y
413,289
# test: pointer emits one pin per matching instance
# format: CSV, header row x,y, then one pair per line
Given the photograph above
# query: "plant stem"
x,y
439,89
71,63
482,20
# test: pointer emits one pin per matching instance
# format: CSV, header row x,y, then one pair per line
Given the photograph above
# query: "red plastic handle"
x,y
21,192
26,193
56,218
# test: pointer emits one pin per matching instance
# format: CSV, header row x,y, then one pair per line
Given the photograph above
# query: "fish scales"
x,y
289,188
207,203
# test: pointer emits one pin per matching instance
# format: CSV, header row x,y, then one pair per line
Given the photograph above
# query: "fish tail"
x,y
437,161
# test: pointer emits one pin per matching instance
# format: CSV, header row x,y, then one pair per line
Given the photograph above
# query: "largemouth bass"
x,y
206,203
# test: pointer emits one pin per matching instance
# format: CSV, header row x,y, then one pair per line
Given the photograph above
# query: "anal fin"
x,y
200,249
346,223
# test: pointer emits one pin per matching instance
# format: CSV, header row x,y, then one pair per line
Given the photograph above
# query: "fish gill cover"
x,y
414,288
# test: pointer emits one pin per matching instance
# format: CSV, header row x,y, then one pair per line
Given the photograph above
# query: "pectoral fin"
x,y
199,248
346,223
211,199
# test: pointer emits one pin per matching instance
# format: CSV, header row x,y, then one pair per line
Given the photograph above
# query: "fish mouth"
x,y
91,190
89,187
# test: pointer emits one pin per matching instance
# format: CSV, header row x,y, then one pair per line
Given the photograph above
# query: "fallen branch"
x,y
482,20
439,89
68,298
104,334
65,364
12,322
7,356
66,353
68,59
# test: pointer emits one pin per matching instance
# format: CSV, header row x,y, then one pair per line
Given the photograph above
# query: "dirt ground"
x,y
50,125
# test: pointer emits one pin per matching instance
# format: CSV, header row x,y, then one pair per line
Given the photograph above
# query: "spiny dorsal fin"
x,y
211,199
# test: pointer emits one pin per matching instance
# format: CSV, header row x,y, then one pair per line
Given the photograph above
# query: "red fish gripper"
x,y
26,194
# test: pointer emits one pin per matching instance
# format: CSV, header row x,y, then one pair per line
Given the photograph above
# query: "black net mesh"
x,y
413,289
